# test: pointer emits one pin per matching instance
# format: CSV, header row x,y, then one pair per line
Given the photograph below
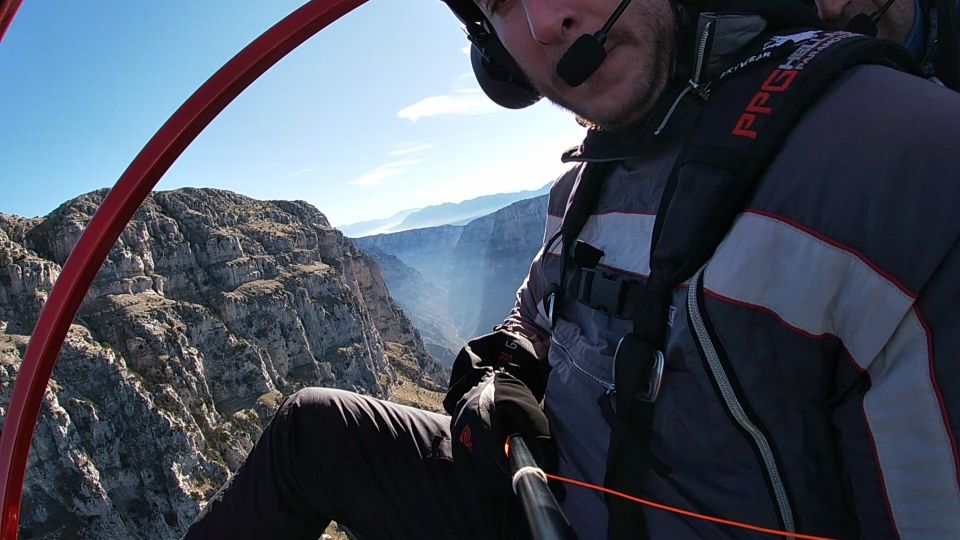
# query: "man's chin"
x,y
607,99
613,110
605,118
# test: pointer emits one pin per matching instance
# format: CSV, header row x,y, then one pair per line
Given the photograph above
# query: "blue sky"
x,y
377,113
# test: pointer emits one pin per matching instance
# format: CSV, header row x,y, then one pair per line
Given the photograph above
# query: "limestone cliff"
x,y
493,257
424,302
209,309
427,250
463,276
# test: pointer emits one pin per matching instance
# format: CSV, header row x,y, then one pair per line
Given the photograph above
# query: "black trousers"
x,y
381,469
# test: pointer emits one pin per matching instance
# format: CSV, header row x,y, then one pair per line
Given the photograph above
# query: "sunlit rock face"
x,y
424,302
493,256
209,309
458,282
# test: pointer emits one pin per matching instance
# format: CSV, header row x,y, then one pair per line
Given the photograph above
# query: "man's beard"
x,y
649,75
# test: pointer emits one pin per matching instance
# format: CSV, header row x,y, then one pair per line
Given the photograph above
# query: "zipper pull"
x,y
695,85
702,88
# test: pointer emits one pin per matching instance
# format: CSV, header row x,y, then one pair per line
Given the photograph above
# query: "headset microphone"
x,y
586,54
867,24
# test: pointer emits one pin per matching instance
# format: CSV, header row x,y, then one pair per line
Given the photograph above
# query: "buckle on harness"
x,y
656,378
601,291
550,303
643,363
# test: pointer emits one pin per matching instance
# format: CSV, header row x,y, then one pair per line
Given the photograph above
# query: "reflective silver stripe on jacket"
x,y
733,404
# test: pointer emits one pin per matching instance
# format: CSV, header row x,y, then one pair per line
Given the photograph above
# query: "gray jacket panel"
x,y
822,311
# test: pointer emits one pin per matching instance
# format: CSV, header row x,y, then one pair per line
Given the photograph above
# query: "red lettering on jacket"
x,y
466,437
778,81
742,129
756,104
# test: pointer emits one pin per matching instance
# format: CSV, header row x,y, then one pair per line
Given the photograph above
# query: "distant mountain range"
x,y
458,282
443,214
377,226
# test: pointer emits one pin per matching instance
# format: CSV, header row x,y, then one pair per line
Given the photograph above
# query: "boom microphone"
x,y
586,54
867,24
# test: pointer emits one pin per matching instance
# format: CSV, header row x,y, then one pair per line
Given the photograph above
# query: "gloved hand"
x,y
499,350
496,385
500,406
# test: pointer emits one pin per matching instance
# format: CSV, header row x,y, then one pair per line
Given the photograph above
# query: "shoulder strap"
x,y
580,205
750,110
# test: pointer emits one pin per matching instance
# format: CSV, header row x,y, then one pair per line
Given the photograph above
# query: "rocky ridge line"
x,y
209,309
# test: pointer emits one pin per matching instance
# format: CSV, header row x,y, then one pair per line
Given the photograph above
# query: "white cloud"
x,y
466,82
463,102
414,149
466,50
376,176
523,167
302,171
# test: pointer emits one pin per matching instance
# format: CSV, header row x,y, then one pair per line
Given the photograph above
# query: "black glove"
x,y
496,385
500,406
498,351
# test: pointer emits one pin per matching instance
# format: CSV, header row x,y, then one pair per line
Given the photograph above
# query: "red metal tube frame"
x,y
114,214
8,8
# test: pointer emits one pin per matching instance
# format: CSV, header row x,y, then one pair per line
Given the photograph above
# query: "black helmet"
x,y
502,80
498,74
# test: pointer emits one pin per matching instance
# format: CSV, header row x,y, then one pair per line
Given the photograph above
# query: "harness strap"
x,y
750,111
606,291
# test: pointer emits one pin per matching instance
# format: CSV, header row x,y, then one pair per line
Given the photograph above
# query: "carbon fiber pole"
x,y
540,507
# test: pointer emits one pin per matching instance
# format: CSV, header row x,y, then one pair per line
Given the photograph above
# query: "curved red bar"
x,y
8,8
114,214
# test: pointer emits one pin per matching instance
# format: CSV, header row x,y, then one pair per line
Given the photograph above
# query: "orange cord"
x,y
687,512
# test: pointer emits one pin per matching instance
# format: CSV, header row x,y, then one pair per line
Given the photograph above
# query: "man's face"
x,y
640,45
895,24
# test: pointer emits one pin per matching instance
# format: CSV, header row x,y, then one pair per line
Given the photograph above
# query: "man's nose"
x,y
551,22
831,10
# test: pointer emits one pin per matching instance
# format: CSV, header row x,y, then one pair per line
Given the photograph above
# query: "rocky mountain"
x,y
464,212
428,251
422,301
209,309
459,213
490,263
472,271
